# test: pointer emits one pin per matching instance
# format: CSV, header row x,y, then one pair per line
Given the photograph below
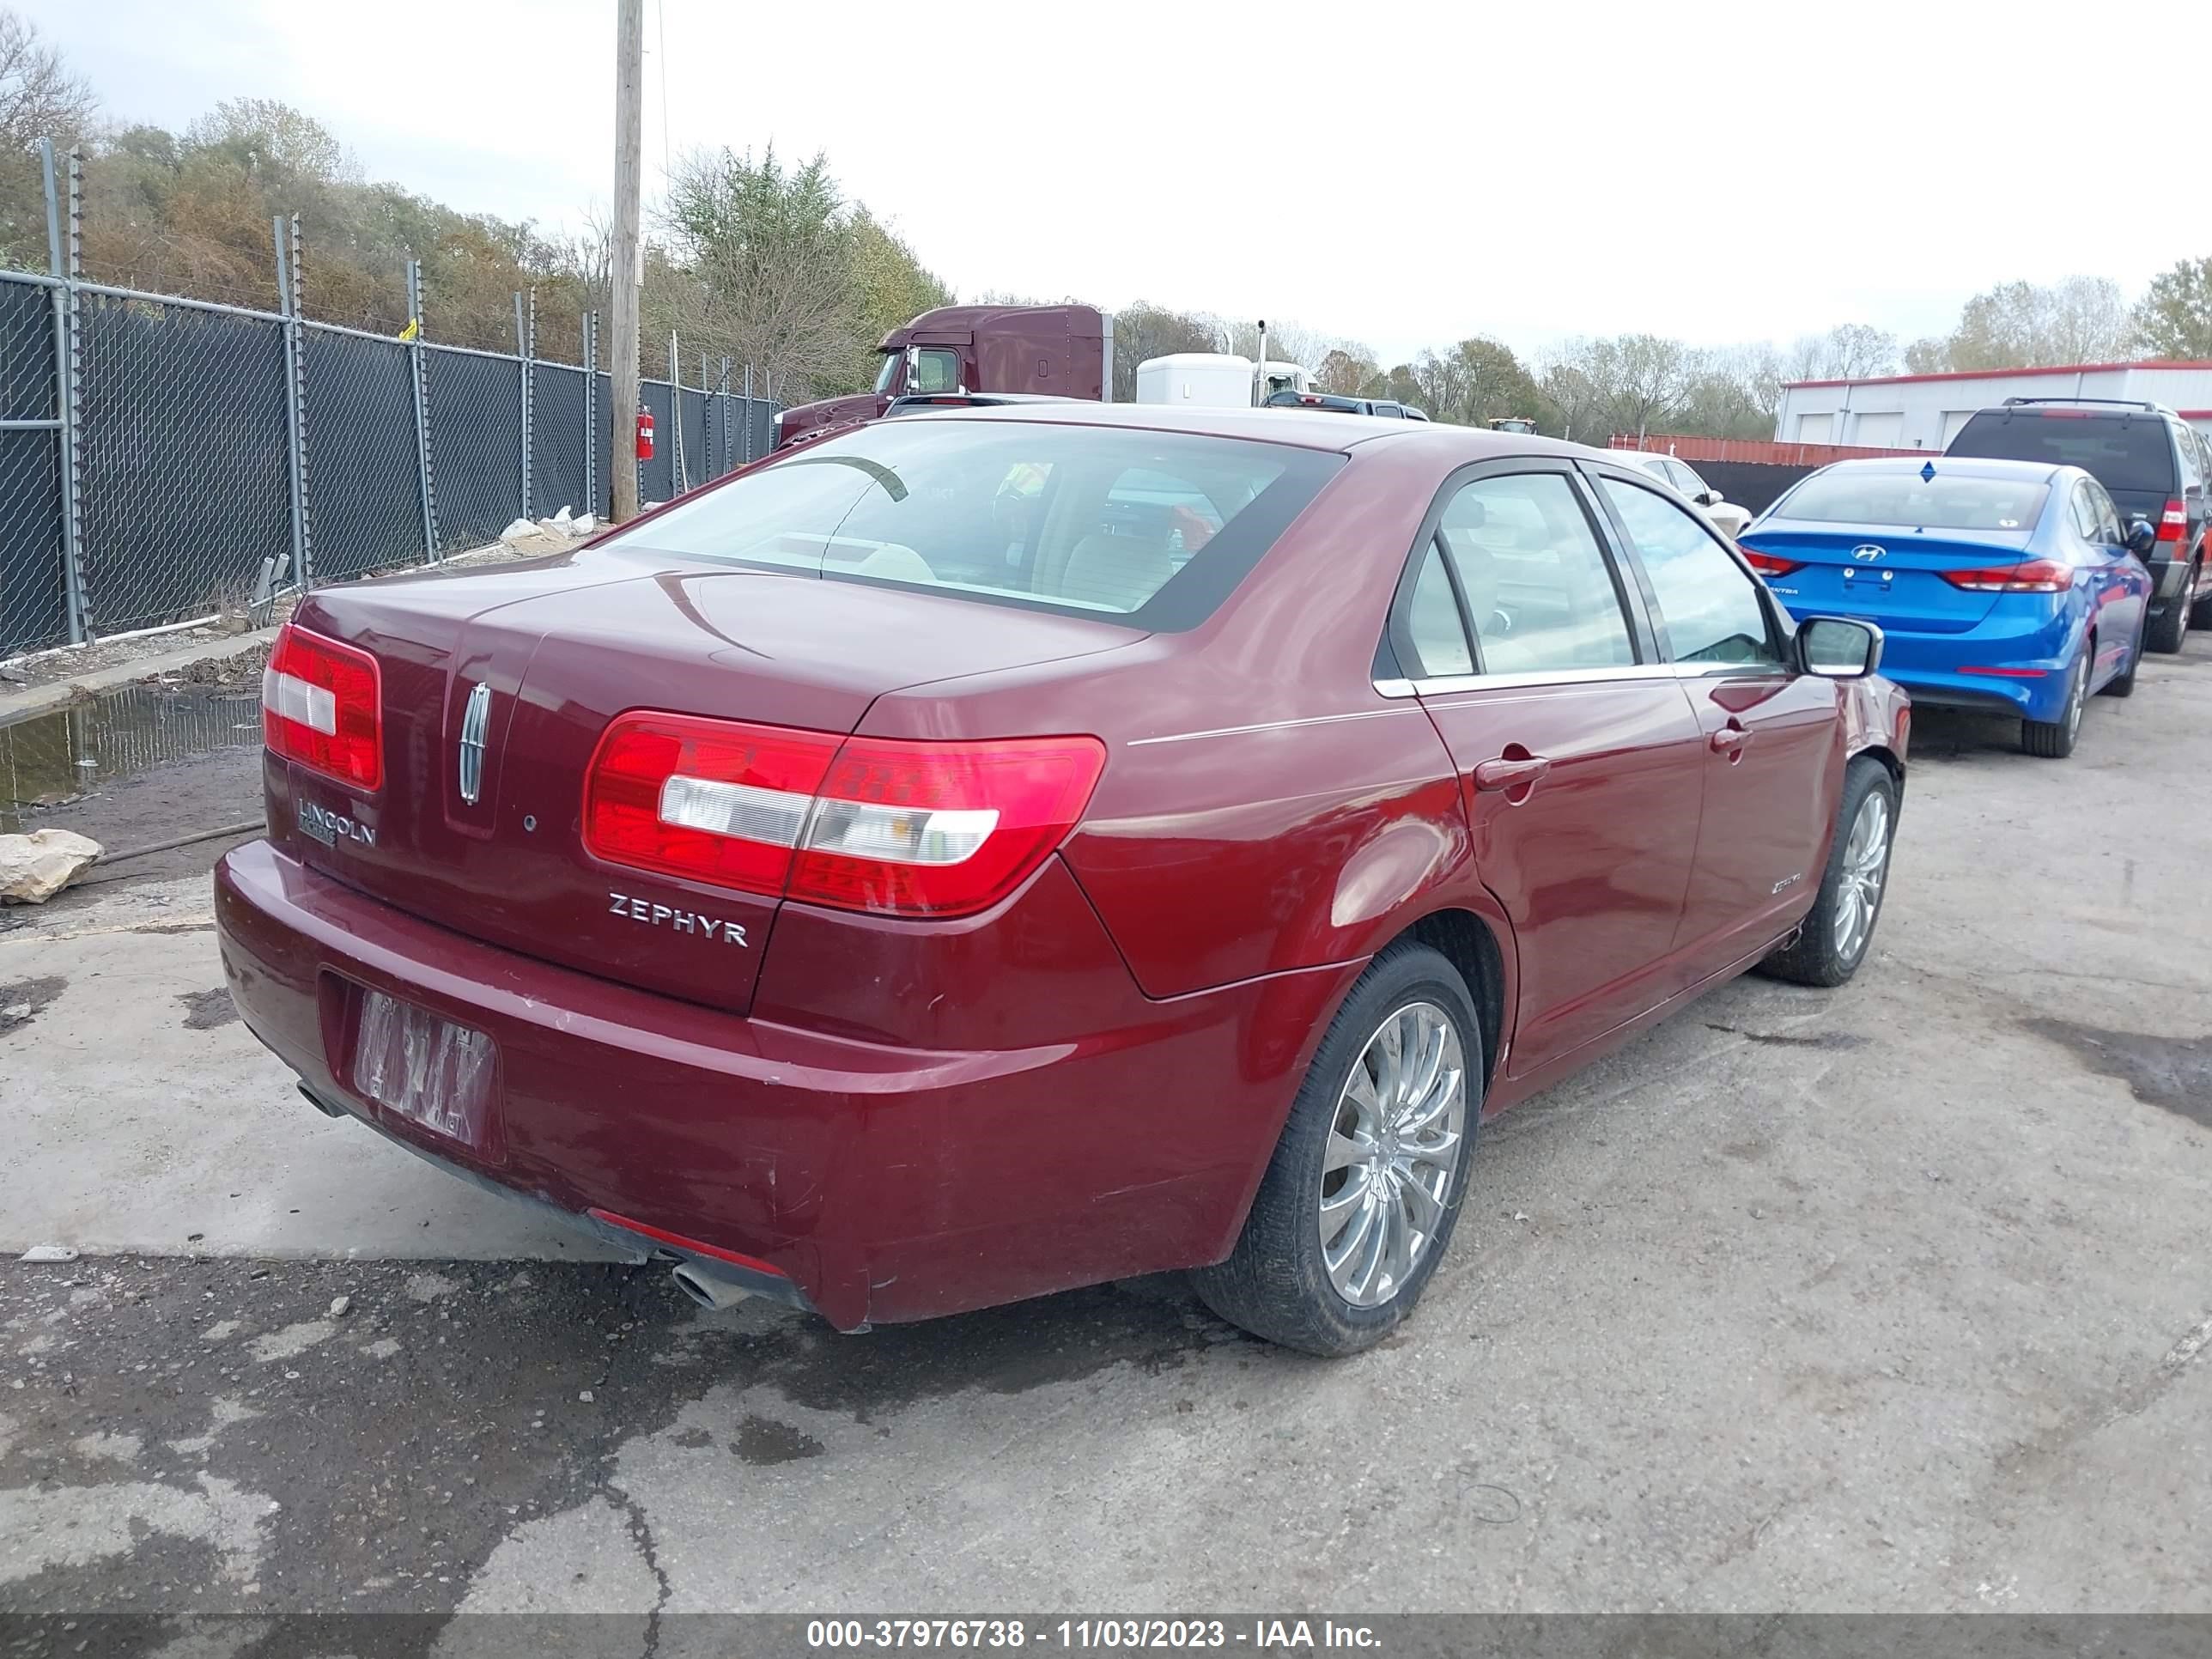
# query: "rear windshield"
x,y
1844,495
2119,451
1152,528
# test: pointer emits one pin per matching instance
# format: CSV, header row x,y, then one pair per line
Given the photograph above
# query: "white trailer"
x,y
1196,380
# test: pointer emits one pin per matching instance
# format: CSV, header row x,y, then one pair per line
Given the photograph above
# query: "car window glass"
x,y
1682,478
1710,604
936,371
2085,512
1537,586
1432,619
1093,522
2121,451
1389,410
1164,507
2108,516
2192,459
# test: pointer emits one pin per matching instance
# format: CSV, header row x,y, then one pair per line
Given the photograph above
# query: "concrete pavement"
x,y
1891,1298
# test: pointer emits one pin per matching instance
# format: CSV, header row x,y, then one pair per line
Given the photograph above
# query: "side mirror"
x,y
1838,648
1707,498
2142,536
913,369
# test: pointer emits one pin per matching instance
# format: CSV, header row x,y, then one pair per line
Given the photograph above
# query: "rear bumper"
x,y
885,1183
2034,645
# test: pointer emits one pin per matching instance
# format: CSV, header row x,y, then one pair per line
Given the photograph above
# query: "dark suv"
x,y
1337,402
2151,461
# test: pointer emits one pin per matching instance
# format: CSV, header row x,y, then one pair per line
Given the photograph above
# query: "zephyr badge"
x,y
476,719
1868,552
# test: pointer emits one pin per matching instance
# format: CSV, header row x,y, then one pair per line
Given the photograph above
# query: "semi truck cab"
x,y
1064,351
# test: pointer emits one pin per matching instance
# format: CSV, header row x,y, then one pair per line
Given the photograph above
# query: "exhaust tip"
x,y
706,1289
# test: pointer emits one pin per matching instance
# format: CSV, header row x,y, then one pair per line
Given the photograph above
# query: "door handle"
x,y
1729,740
1504,774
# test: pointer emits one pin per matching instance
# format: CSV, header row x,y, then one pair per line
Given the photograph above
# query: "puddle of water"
x,y
56,758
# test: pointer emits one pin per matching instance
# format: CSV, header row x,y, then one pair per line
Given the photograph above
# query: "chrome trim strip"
x,y
1280,725
1449,685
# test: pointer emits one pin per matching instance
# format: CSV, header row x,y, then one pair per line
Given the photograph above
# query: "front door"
x,y
1579,759
1774,761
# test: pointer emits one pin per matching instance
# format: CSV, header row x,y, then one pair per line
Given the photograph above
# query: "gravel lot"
x,y
1895,1298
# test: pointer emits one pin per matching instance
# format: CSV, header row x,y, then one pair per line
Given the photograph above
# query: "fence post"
x,y
64,267
590,411
675,422
749,411
295,395
522,354
417,371
729,450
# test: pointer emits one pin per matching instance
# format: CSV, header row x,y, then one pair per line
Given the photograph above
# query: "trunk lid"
x,y
562,647
1898,584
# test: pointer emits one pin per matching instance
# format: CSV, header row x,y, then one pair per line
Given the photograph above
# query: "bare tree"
x,y
39,98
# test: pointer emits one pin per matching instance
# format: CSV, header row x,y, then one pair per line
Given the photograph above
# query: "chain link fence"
x,y
182,457
162,459
34,591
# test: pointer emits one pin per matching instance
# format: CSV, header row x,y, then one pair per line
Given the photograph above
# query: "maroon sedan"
x,y
986,852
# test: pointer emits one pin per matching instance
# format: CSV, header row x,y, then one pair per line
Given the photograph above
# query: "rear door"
x,y
1773,755
2118,585
1578,756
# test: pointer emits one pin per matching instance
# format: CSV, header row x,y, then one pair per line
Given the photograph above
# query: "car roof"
x,y
1306,428
1639,457
1956,466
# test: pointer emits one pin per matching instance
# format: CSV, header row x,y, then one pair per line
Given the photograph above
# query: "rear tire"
x,y
2169,630
1838,931
1279,1281
2055,739
2200,615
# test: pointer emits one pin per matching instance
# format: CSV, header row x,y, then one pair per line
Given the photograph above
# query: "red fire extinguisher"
x,y
644,434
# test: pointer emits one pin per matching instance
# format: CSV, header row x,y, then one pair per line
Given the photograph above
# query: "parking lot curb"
x,y
45,699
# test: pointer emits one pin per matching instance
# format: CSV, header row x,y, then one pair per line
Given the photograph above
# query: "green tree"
x,y
2174,319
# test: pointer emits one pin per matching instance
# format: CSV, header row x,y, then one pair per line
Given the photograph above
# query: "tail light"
x,y
1767,565
860,823
2173,522
322,706
2028,576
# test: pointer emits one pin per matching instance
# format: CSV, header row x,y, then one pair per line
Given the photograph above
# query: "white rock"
x,y
339,1304
564,519
584,526
36,866
48,1253
520,531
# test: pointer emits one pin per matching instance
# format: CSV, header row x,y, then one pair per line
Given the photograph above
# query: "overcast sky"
x,y
1405,175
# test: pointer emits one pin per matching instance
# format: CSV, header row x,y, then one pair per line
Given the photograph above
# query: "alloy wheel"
x,y
2077,697
1866,863
1392,1150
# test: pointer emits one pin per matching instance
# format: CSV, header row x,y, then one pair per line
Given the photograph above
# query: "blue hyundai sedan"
x,y
2007,586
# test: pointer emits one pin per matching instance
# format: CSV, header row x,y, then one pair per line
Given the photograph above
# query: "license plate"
x,y
425,1069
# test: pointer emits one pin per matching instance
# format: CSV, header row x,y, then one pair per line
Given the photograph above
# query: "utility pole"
x,y
626,257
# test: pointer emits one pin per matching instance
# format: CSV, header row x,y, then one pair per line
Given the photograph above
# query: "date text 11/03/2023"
x,y
1105,1635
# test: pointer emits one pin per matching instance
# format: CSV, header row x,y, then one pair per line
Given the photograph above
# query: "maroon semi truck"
x,y
1064,351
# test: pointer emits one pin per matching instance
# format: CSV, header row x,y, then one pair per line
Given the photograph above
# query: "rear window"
x,y
1151,528
2119,451
1843,495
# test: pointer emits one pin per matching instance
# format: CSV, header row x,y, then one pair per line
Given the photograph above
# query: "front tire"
x,y
2055,739
1361,1196
1839,928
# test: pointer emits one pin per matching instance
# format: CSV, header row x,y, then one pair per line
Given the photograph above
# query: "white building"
x,y
1925,411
